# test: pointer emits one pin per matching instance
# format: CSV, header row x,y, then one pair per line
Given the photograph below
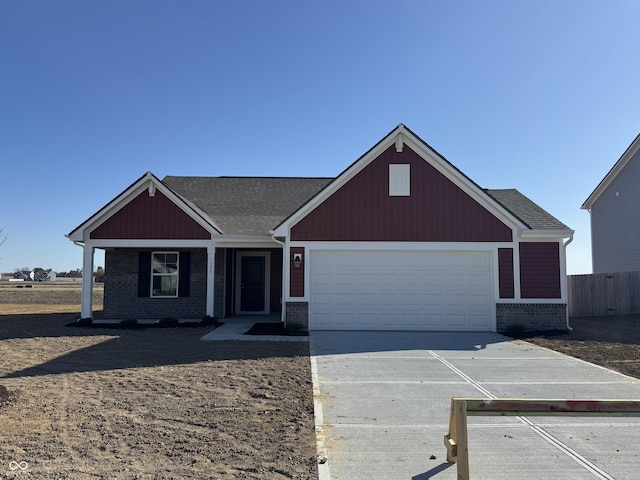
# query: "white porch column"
x,y
211,286
86,310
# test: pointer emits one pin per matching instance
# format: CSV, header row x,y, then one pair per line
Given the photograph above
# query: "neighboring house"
x,y
400,240
614,207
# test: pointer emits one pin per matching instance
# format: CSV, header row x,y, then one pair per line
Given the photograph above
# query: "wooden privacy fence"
x,y
603,294
456,440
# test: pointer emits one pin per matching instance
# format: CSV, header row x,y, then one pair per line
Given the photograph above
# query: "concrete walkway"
x,y
383,398
234,328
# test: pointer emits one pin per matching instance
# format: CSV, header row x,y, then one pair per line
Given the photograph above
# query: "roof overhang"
x,y
547,234
612,174
399,137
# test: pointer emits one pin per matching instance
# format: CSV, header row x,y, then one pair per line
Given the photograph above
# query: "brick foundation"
x,y
531,316
297,315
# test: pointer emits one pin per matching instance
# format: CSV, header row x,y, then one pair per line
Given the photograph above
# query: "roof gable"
x,y
144,210
435,210
618,167
150,217
398,138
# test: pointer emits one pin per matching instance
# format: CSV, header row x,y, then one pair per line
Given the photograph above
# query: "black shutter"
x,y
144,274
184,274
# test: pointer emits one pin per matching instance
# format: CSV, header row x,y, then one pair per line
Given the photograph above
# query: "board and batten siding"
x,y
437,210
150,217
615,225
540,270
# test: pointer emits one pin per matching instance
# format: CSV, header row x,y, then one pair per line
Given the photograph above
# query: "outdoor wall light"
x,y
297,260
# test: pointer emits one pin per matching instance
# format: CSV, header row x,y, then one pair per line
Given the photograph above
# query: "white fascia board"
x,y
545,235
406,246
135,243
544,301
612,174
146,182
247,241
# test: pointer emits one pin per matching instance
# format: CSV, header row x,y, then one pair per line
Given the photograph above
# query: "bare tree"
x,y
3,236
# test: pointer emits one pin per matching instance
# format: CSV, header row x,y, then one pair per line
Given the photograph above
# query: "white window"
x,y
399,180
164,274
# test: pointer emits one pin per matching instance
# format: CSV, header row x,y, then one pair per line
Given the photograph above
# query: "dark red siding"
x,y
296,279
147,217
505,272
436,211
540,270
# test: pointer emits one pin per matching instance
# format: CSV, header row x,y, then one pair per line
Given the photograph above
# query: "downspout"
x,y
564,245
282,305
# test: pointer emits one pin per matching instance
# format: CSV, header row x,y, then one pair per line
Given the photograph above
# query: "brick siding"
x,y
531,316
121,299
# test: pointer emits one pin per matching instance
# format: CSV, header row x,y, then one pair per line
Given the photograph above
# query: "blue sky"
x,y
539,96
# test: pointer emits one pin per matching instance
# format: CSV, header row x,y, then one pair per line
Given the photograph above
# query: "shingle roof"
x,y
525,210
246,205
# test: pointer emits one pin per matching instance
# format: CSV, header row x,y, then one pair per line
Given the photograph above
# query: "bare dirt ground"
x,y
161,404
610,341
145,404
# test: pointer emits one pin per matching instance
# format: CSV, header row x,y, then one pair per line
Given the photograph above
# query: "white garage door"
x,y
390,290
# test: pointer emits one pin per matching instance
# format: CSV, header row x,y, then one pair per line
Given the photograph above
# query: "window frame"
x,y
400,171
175,274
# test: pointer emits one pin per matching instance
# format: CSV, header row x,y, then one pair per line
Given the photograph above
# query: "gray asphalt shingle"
x,y
246,205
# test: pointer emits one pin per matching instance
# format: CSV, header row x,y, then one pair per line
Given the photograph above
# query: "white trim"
x,y
399,179
545,235
459,246
516,272
112,243
86,304
267,280
519,301
176,274
247,241
211,284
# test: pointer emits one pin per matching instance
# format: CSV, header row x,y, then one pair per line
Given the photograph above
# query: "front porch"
x,y
216,282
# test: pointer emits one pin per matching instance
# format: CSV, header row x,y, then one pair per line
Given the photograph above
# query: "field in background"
x,y
62,296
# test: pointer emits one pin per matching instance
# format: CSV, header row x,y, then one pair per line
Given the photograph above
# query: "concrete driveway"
x,y
383,399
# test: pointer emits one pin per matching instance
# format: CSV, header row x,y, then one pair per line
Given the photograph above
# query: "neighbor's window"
x,y
164,274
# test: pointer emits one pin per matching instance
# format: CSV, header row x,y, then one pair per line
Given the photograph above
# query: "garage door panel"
x,y
400,290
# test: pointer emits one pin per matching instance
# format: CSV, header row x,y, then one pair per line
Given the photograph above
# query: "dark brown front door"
x,y
252,284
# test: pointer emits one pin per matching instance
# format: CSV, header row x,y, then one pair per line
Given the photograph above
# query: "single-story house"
x,y
614,206
400,240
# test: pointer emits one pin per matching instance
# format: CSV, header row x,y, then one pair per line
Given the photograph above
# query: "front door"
x,y
252,287
252,284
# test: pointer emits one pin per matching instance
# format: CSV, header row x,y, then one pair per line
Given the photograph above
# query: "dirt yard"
x,y
161,404
610,341
146,404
